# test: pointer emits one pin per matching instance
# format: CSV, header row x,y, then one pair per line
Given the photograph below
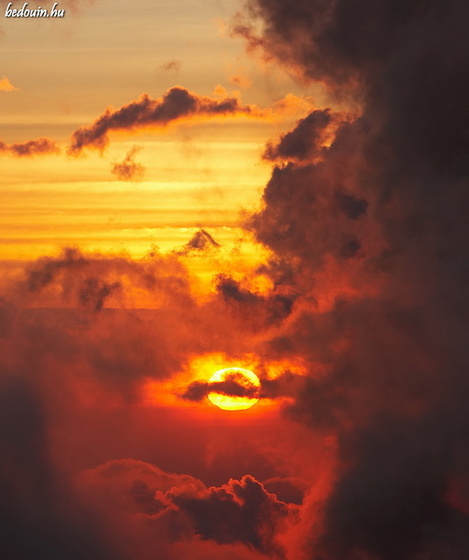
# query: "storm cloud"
x,y
373,235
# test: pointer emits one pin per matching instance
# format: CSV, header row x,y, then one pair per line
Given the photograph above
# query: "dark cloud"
x,y
372,235
311,211
196,391
94,293
41,146
399,498
240,511
338,44
314,400
176,104
86,279
45,270
200,241
40,517
168,509
129,169
234,385
269,308
172,66
350,205
304,142
231,290
7,316
318,401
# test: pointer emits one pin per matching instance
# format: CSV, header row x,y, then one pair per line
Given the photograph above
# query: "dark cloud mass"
x,y
375,232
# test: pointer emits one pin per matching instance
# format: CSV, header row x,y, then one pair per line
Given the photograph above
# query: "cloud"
x,y
315,400
176,105
304,142
75,293
179,509
41,146
6,85
368,232
240,511
130,486
233,385
40,517
129,169
172,66
200,241
266,309
98,296
240,81
368,274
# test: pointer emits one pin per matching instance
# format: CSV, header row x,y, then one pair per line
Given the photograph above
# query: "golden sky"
x,y
200,173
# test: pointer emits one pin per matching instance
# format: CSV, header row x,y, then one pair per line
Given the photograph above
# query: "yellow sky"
x,y
66,72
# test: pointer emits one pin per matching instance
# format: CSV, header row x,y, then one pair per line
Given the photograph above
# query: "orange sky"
x,y
190,186
112,224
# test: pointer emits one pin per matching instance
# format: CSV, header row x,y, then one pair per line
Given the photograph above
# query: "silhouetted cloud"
x,y
240,511
128,169
176,104
304,142
41,146
234,385
200,241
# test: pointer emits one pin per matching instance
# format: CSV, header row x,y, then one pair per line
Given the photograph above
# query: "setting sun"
x,y
234,389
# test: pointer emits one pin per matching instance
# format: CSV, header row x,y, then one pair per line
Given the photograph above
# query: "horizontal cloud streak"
x,y
41,146
176,104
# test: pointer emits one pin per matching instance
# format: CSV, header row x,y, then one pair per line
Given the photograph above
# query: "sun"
x,y
234,388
